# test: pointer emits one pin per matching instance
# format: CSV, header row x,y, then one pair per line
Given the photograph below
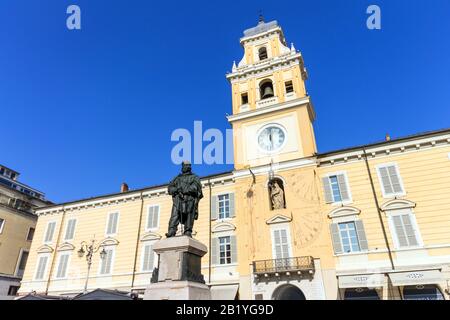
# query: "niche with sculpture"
x,y
276,194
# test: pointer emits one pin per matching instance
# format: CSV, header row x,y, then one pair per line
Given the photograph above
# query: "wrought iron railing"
x,y
305,263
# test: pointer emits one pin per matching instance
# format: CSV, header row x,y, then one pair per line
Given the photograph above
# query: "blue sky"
x,y
86,110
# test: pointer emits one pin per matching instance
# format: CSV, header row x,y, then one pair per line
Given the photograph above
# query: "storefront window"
x,y
428,292
361,294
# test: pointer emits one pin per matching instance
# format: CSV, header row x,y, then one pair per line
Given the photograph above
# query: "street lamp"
x,y
89,250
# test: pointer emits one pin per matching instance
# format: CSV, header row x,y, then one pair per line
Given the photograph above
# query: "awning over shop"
x,y
416,277
224,292
361,281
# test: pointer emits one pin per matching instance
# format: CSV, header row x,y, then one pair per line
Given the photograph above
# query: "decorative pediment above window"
x,y
45,249
279,218
66,247
223,226
395,204
343,212
109,242
149,236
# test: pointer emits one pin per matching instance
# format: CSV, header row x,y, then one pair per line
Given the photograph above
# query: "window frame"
x,y
100,265
347,183
107,223
380,180
350,243
66,272
147,229
148,244
16,271
288,239
224,201
67,226
400,212
286,86
28,233
220,247
41,255
46,230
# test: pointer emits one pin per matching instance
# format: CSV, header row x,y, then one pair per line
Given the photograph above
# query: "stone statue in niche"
x,y
276,194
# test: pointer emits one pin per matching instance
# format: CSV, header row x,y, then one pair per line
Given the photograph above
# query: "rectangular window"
x,y
12,291
225,250
70,229
113,220
41,267
224,206
63,264
390,180
30,234
147,257
107,261
289,86
50,232
152,218
22,263
349,237
244,98
336,188
281,244
405,230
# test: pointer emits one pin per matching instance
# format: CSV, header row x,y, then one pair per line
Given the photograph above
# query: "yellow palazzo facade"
x,y
361,223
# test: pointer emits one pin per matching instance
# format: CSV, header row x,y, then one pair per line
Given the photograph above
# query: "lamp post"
x,y
89,250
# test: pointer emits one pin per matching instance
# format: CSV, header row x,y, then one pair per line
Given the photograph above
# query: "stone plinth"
x,y
178,276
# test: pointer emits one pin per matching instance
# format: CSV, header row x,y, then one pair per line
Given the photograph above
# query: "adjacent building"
x,y
289,222
17,226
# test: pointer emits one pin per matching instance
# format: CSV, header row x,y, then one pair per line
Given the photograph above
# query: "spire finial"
x,y
261,17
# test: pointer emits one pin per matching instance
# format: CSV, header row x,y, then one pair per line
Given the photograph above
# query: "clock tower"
x,y
272,113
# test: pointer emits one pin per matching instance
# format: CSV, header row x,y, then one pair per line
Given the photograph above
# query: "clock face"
x,y
271,138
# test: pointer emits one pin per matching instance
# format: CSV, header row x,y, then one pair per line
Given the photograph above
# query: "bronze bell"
x,y
268,92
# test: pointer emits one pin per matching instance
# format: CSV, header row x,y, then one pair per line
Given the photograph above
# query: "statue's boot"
x,y
171,233
188,233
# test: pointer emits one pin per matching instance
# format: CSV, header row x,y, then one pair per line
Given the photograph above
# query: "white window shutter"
x,y
70,229
214,251
232,211
112,223
62,266
384,175
343,187
148,258
395,180
214,207
42,264
50,231
409,230
327,190
401,236
363,244
336,237
233,249
106,262
155,216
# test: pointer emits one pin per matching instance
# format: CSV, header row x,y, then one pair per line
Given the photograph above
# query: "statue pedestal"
x,y
178,276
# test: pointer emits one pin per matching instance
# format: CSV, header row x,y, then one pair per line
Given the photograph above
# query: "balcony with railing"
x,y
285,266
266,102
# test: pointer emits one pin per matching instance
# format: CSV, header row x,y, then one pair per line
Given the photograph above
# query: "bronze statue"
x,y
186,192
276,196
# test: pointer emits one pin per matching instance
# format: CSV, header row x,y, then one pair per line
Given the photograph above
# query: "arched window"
x,y
276,194
262,53
266,89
